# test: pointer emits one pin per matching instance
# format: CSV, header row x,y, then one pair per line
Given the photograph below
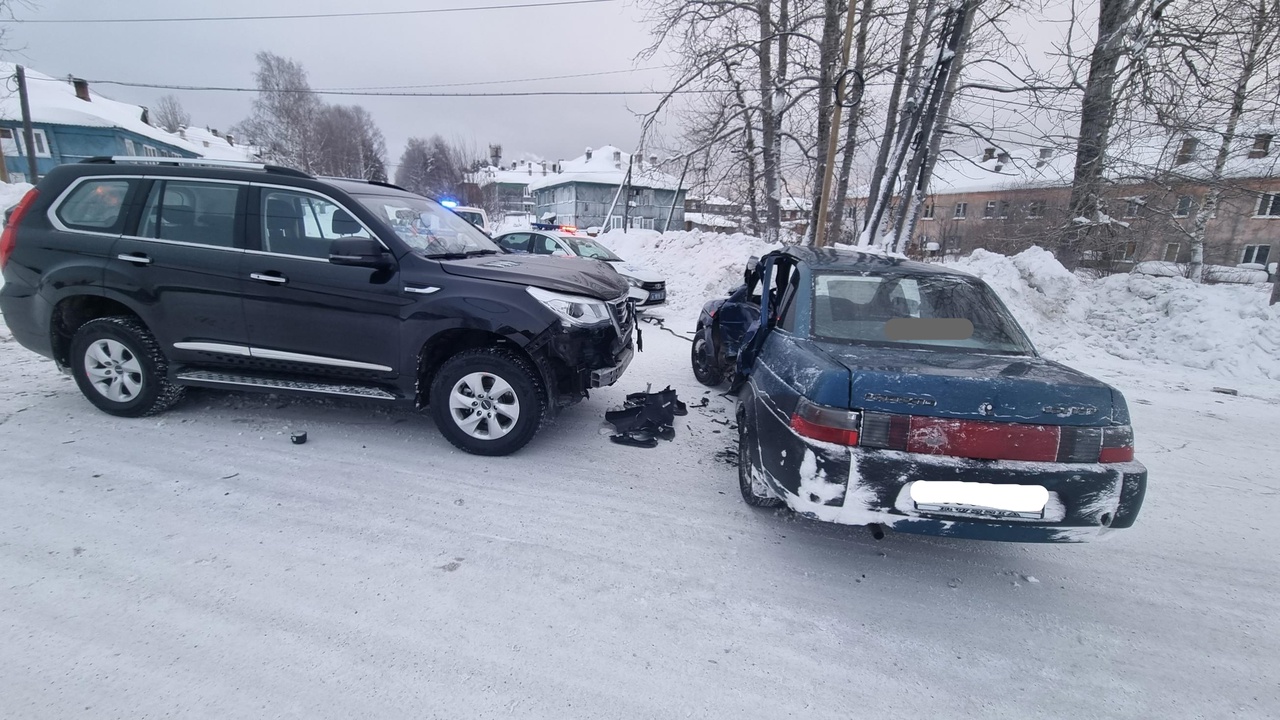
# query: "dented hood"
x,y
568,275
976,386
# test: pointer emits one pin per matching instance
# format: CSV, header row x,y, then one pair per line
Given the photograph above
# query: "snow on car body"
x,y
881,391
648,288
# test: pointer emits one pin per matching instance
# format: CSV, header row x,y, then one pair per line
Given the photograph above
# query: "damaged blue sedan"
x,y
874,390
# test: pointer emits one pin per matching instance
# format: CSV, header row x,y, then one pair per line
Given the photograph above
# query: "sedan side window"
x,y
544,245
515,242
304,225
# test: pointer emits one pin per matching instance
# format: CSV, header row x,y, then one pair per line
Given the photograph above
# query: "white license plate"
x,y
979,499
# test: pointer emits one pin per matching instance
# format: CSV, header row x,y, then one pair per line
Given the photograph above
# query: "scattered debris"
x,y
298,438
228,477
1226,391
645,418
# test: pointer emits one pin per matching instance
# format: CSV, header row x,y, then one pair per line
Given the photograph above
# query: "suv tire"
x,y
755,497
703,358
488,401
119,367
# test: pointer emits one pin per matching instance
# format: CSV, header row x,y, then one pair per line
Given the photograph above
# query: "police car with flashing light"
x,y
648,288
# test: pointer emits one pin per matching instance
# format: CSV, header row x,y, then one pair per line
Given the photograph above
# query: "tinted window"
x,y
515,242
95,205
858,309
194,212
545,245
296,223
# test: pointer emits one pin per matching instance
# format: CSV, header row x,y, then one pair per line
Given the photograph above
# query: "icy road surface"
x,y
199,565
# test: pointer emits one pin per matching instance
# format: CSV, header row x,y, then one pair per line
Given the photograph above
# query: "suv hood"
x,y
567,275
972,386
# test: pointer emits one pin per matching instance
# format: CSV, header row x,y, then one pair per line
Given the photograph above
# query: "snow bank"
x,y
1227,330
10,194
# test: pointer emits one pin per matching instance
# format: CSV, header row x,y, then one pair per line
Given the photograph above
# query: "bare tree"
x,y
435,167
282,122
170,115
349,143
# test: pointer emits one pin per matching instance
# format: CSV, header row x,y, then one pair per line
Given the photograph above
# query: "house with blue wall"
x,y
71,123
591,191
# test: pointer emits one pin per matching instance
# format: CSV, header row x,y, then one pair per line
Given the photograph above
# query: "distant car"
x,y
884,392
648,288
474,215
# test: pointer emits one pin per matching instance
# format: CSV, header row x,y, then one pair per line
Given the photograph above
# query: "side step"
x,y
209,378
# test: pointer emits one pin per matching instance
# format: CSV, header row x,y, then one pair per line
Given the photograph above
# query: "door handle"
x,y
278,279
137,258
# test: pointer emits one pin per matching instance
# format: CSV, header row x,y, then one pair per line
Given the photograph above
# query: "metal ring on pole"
x,y
847,96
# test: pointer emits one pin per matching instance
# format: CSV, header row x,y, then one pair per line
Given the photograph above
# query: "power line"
x,y
381,93
305,16
497,82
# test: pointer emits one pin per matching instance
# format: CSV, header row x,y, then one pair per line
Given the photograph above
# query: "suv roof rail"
x,y
382,183
195,162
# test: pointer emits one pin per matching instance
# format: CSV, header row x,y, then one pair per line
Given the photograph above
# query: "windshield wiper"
x,y
473,253
446,256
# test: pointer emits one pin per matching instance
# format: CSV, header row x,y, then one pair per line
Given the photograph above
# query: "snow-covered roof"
x,y
606,166
521,172
53,101
1030,167
215,146
795,203
709,220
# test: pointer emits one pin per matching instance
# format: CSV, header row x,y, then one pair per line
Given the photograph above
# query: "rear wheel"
x,y
754,491
487,401
119,367
703,357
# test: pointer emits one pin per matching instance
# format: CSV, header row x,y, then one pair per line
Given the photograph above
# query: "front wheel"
x,y
487,401
119,367
703,358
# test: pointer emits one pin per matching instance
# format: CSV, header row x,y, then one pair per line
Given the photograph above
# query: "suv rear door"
x,y
302,310
180,267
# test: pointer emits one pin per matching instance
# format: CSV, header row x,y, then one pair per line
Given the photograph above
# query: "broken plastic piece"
x,y
298,438
635,439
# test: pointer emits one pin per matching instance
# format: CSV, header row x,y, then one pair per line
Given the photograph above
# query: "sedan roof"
x,y
855,260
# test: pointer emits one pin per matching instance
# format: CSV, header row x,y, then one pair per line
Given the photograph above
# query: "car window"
x,y
194,212
788,307
472,217
545,245
296,223
588,248
859,309
427,226
96,205
515,242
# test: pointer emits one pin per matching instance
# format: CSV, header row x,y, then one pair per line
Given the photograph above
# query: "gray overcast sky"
x,y
361,52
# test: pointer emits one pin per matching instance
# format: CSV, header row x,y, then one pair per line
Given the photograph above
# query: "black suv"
x,y
145,275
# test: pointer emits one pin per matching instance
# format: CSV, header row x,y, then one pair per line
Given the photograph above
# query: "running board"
x,y
208,378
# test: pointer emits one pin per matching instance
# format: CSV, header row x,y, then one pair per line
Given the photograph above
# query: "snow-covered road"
x,y
199,565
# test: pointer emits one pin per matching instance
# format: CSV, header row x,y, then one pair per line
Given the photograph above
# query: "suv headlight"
x,y
573,309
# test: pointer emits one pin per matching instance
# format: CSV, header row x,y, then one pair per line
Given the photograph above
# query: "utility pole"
x,y
626,193
27,135
666,227
833,134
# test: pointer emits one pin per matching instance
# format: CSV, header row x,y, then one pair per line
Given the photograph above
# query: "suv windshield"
x,y
860,308
584,247
427,226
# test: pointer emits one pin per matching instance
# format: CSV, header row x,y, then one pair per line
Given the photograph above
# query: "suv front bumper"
x,y
603,377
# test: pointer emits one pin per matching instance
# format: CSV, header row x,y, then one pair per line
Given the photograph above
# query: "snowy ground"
x,y
199,565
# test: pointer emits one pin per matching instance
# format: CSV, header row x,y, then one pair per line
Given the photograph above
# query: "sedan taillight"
x,y
828,424
1117,444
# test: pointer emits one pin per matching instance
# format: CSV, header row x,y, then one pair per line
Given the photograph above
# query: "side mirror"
x,y
360,252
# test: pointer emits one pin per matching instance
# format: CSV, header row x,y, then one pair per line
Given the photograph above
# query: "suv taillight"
x,y
9,239
828,424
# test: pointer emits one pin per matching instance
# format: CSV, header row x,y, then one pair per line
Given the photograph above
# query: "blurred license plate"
x,y
657,296
980,499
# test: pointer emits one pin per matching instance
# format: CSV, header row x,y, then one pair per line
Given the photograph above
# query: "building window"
x,y
1132,206
1130,249
527,192
1035,209
1256,254
1171,252
1004,209
926,213
1261,146
15,144
129,148
1269,205
1183,208
149,151
1187,152
962,209
615,222
990,210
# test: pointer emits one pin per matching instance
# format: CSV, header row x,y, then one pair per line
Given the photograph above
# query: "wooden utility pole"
x,y
28,135
833,134
666,227
626,193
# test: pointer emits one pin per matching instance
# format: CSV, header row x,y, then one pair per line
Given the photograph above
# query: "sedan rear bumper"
x,y
856,486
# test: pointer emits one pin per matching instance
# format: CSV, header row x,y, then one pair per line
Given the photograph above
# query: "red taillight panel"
x,y
828,424
1117,444
9,239
809,429
1116,455
983,440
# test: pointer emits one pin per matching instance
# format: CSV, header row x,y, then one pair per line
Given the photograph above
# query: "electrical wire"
x,y
381,93
305,16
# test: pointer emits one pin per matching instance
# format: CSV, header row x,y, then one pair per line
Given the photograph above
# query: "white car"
x,y
474,215
648,288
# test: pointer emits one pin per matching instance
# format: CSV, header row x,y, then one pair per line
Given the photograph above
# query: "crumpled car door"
x,y
758,330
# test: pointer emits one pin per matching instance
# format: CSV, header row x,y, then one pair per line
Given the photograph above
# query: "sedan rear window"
x,y
888,310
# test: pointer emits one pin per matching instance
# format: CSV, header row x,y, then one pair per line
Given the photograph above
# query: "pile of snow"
x,y
1227,330
10,194
698,266
1251,273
